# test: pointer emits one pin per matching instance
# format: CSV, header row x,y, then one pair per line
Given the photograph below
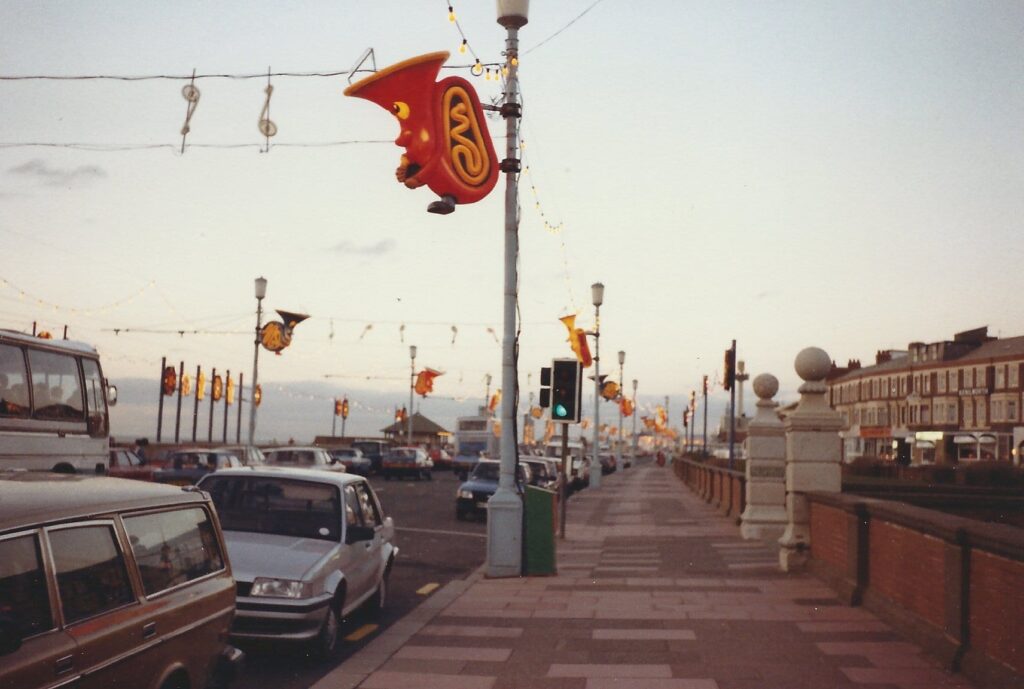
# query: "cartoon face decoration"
x,y
441,127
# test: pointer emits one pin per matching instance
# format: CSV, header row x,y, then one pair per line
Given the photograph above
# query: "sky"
x,y
845,175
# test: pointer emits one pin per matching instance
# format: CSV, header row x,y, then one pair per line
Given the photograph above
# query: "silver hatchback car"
x,y
307,547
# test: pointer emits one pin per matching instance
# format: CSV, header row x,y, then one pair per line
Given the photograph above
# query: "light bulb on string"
x,y
477,69
504,70
514,61
462,47
451,14
487,74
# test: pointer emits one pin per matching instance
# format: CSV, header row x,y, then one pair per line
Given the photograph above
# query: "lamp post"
x,y
505,508
487,394
261,292
597,297
618,449
412,385
635,411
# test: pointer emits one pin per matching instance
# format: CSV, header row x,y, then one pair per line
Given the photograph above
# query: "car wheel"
x,y
326,643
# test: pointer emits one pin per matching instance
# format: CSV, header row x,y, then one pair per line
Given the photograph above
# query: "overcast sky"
x,y
839,174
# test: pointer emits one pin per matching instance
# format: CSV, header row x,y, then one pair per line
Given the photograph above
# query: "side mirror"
x,y
111,395
10,635
355,534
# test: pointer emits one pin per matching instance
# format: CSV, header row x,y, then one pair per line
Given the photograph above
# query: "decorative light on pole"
x,y
261,292
597,297
636,412
412,385
618,449
505,508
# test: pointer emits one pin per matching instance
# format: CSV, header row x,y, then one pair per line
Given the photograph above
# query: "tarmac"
x,y
655,590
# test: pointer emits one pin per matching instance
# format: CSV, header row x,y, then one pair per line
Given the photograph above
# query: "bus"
x,y
53,405
474,438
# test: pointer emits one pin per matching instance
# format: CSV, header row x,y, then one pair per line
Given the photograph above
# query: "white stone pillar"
x,y
765,514
813,454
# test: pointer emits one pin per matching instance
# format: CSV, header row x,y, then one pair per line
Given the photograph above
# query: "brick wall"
x,y
907,567
997,608
829,535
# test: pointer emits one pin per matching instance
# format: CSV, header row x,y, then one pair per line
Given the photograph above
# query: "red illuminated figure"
x,y
442,129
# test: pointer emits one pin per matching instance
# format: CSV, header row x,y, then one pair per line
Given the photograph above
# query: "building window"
x,y
1011,410
968,413
952,380
1013,379
952,413
979,377
997,410
981,412
940,382
926,415
1000,377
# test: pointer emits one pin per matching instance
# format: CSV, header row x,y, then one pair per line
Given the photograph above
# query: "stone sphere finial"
x,y
765,386
813,364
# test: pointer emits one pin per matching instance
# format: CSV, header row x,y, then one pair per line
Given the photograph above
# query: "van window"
x,y
23,594
56,386
91,574
174,547
13,382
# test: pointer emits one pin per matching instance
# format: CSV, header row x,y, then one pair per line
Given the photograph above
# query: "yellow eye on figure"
x,y
400,109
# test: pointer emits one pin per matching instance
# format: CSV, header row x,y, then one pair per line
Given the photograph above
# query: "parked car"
x,y
607,462
473,494
106,582
543,472
308,547
249,454
126,464
407,461
303,457
186,467
353,459
373,450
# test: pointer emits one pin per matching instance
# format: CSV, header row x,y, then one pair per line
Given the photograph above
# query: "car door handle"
x,y
149,630
64,665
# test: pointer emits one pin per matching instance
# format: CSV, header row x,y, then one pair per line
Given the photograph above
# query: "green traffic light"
x,y
561,411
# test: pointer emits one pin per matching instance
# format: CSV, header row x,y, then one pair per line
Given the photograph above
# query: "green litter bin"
x,y
541,506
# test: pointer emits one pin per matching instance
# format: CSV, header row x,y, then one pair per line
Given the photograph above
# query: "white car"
x,y
411,461
306,548
302,457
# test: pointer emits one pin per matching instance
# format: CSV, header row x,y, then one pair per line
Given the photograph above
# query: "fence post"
x,y
765,513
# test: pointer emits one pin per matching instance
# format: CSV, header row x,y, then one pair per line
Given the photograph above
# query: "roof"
x,y
297,473
1004,348
420,425
72,345
34,497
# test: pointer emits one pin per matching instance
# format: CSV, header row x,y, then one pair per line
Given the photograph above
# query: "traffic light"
x,y
337,407
545,387
344,408
730,369
566,390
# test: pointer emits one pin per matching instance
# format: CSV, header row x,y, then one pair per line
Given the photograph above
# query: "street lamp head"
x,y
412,351
513,14
622,357
634,386
261,287
597,292
488,378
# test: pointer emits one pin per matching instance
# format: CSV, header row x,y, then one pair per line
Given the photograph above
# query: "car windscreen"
x,y
301,458
279,506
472,449
486,471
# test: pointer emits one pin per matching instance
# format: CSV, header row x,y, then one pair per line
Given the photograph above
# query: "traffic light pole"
x,y
563,488
505,508
704,442
732,407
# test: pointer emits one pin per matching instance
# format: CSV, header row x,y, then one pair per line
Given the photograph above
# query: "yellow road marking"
x,y
362,632
427,589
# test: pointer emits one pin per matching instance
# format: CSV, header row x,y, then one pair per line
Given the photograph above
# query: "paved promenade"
x,y
655,590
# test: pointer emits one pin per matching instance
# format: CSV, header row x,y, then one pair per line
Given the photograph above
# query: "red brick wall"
x,y
738,491
828,535
997,608
907,567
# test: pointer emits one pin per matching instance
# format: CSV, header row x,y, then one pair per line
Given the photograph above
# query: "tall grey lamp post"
x,y
618,450
487,394
412,384
505,508
635,412
597,294
261,292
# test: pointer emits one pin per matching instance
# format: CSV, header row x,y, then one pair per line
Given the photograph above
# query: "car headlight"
x,y
279,588
467,494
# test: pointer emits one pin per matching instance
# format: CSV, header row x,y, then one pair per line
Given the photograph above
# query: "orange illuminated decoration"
x,y
201,386
257,395
495,399
425,381
44,335
497,429
186,385
277,335
169,382
218,388
441,127
536,412
626,406
578,341
610,390
337,407
230,393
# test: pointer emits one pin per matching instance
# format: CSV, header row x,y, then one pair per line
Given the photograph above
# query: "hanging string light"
x,y
22,294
